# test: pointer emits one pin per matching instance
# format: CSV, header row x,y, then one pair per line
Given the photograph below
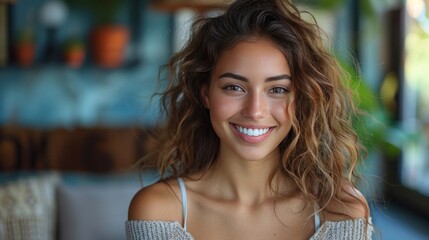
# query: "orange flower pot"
x,y
25,53
74,58
108,45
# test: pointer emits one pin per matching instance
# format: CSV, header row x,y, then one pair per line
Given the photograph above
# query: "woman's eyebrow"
x,y
241,78
279,77
234,76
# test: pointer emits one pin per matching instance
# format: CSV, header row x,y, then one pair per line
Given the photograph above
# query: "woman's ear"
x,y
204,92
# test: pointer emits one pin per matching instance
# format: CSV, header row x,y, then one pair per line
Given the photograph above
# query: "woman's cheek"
x,y
280,110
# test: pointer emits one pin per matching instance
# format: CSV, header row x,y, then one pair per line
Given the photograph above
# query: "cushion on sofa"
x,y
93,208
28,207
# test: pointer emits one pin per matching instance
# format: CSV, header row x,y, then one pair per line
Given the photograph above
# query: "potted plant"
x,y
25,48
108,38
74,52
108,44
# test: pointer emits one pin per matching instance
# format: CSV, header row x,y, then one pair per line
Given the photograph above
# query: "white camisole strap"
x,y
316,220
184,201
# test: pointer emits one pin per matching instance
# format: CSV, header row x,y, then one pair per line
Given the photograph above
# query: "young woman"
x,y
258,142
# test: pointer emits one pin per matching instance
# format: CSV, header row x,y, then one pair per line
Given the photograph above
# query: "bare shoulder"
x,y
158,202
350,204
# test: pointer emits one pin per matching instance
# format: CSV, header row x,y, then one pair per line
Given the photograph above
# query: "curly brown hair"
x,y
320,152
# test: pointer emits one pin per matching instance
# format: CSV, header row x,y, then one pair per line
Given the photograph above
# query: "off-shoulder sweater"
x,y
354,229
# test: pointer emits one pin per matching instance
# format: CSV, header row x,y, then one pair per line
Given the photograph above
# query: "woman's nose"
x,y
256,106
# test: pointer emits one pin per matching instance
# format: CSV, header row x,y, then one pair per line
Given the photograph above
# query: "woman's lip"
x,y
252,126
251,139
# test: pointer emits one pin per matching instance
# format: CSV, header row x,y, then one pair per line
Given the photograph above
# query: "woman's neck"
x,y
247,182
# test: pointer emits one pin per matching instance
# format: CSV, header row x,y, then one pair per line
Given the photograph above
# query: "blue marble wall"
x,y
60,97
53,95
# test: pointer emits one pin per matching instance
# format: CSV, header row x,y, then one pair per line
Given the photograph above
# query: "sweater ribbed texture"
x,y
155,230
355,229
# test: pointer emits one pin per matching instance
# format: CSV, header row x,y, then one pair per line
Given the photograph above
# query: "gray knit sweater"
x,y
356,229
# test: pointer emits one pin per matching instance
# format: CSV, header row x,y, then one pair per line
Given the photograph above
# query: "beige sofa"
x,y
66,206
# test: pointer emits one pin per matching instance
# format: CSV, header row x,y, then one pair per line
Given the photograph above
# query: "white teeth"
x,y
252,132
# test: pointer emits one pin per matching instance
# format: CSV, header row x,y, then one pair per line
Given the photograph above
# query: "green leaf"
x,y
323,4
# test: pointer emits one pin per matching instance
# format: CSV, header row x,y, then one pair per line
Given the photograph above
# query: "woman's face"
x,y
248,98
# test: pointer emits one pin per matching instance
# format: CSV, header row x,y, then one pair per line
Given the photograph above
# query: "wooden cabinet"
x,y
94,149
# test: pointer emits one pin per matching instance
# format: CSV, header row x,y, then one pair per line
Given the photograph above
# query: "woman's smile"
x,y
251,134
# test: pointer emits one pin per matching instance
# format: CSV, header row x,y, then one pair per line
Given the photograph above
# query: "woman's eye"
x,y
278,90
234,88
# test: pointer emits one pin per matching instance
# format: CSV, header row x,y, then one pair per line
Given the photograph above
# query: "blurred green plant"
x,y
104,12
374,125
25,35
73,43
322,4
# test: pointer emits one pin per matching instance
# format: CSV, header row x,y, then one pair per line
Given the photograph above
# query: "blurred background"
x,y
76,81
